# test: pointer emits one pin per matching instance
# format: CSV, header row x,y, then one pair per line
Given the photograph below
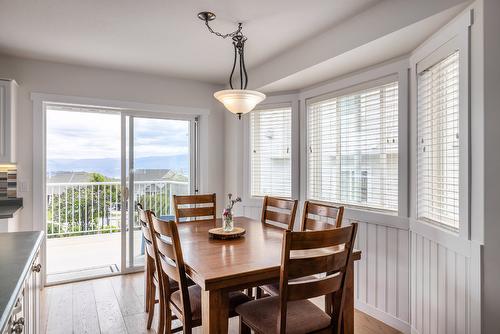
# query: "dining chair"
x,y
313,223
279,211
185,302
305,253
284,218
322,216
194,206
153,282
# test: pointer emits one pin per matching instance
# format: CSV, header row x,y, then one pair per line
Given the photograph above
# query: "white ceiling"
x,y
391,46
163,37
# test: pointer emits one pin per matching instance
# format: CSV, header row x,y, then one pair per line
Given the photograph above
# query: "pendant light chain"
x,y
238,101
231,34
239,44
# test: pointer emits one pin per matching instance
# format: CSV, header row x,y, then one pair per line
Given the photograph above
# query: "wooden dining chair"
x,y
326,252
194,207
279,211
284,218
322,216
153,282
185,303
322,220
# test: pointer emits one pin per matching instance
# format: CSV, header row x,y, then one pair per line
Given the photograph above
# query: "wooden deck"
x,y
74,257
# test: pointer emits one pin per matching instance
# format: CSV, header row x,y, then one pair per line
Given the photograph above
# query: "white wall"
x,y
62,79
491,270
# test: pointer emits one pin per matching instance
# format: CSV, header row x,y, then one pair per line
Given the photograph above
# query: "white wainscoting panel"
x,y
440,288
382,275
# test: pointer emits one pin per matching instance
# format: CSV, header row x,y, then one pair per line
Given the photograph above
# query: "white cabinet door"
x,y
31,299
8,93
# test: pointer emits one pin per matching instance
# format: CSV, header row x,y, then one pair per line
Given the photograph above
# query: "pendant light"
x,y
238,101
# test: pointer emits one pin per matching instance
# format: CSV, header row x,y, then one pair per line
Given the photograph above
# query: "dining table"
x,y
221,266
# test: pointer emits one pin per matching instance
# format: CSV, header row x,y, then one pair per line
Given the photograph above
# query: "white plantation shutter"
x,y
353,148
271,152
438,142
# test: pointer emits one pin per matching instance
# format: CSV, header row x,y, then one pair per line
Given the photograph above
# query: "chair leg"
x,y
187,329
244,329
147,294
151,306
328,304
166,324
249,292
258,293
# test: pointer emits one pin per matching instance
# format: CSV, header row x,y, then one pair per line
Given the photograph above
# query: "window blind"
x,y
271,142
438,142
353,148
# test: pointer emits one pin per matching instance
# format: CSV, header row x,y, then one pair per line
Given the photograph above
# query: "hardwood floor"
x,y
115,305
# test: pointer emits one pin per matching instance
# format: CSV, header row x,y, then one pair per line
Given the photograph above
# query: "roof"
x,y
139,175
69,177
151,174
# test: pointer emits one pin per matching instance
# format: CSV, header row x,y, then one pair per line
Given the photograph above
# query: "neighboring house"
x,y
69,177
156,175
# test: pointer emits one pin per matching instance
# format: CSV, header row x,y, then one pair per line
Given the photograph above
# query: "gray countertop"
x,y
8,206
17,251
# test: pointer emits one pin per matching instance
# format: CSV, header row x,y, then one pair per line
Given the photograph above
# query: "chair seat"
x,y
235,298
302,316
173,284
274,288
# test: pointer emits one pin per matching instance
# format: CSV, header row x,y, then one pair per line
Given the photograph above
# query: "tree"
x,y
84,209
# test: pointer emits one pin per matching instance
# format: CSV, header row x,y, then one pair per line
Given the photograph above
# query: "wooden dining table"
x,y
221,266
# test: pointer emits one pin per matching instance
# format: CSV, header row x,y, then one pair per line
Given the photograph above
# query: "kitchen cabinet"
x,y
20,286
8,101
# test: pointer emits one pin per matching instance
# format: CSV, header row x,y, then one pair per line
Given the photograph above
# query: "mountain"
x,y
110,167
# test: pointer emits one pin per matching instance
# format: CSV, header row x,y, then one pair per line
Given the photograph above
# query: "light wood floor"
x,y
116,305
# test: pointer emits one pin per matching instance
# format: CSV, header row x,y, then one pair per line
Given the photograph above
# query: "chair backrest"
x,y
194,206
324,212
144,221
307,253
284,216
171,261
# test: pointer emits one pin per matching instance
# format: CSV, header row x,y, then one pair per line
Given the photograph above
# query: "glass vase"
x,y
227,220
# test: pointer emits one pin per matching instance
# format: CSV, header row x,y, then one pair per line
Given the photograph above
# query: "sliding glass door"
x,y
160,163
100,163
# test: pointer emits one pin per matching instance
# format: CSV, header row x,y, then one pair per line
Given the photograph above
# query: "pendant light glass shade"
x,y
239,101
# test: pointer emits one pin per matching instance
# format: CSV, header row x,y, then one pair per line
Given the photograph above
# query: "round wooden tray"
x,y
218,233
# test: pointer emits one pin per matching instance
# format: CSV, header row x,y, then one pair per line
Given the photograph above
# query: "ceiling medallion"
x,y
238,101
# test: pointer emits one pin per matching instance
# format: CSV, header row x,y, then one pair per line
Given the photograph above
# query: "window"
x,y
438,142
270,151
353,148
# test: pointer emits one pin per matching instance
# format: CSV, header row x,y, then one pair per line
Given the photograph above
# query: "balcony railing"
x,y
95,207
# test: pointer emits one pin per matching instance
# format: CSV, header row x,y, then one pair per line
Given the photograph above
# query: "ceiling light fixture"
x,y
238,101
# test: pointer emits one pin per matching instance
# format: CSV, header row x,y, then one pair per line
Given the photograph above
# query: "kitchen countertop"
x,y
9,206
17,252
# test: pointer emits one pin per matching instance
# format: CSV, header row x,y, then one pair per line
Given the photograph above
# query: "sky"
x,y
86,135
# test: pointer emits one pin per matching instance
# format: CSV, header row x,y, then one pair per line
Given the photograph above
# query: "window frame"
x,y
271,102
453,37
386,73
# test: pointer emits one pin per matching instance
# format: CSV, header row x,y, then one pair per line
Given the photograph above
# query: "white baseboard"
x,y
386,318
